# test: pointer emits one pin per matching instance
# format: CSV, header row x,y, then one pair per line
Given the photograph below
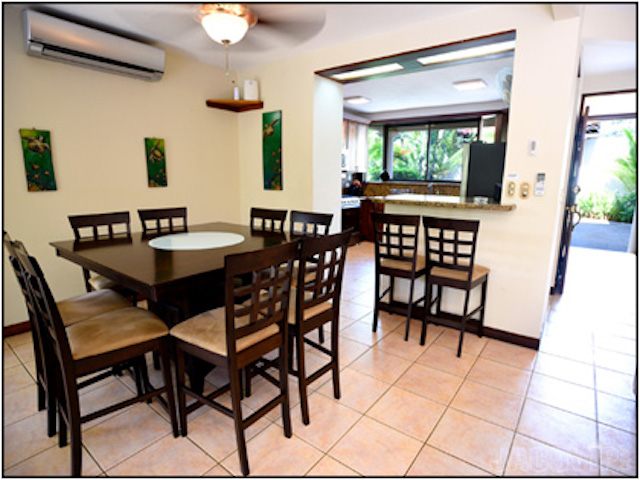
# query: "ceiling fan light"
x,y
224,27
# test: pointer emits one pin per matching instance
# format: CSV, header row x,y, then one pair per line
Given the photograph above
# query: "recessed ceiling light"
x,y
365,72
468,53
467,85
357,100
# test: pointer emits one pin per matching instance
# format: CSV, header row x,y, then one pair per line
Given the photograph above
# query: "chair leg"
x,y
182,408
284,391
52,412
427,308
409,307
62,433
75,433
166,372
321,333
463,323
302,379
376,308
334,360
483,300
237,418
42,397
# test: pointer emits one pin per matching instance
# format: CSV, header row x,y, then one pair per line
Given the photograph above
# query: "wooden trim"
x,y
472,326
235,105
16,329
444,118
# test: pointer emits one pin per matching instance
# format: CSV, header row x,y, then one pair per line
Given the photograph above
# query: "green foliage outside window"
x,y
374,167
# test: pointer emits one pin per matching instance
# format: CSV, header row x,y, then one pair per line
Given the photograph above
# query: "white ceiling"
x,y
290,30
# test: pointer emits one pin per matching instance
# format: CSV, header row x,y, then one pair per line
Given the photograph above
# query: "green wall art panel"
x,y
156,162
36,148
272,150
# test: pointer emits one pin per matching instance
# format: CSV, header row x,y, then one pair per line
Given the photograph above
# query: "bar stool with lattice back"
x,y
156,221
267,220
450,248
396,247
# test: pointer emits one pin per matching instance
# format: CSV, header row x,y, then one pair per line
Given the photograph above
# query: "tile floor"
x,y
567,410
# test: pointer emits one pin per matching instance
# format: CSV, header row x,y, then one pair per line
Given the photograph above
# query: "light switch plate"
x,y
525,190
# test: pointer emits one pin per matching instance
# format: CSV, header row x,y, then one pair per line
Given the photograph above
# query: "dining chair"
x,y
72,310
316,302
102,226
267,220
237,335
93,345
310,223
163,220
450,247
396,255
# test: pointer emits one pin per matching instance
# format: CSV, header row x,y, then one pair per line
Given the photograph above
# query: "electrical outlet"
x,y
511,188
525,190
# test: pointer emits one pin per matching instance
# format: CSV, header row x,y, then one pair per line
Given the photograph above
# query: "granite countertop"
x,y
445,201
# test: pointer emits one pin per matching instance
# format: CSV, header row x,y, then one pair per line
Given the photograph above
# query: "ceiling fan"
x,y
228,23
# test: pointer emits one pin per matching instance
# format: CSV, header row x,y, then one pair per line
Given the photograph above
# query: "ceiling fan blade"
x,y
287,24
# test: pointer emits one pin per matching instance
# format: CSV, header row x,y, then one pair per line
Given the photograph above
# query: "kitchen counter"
x,y
445,201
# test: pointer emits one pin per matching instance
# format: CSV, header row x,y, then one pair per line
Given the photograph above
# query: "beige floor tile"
x,y
215,433
20,339
617,412
373,449
395,344
618,450
360,331
480,443
328,467
20,404
218,471
564,395
444,359
566,431
9,359
53,462
615,383
381,365
121,436
489,404
358,391
24,352
25,438
270,453
328,421
530,458
578,351
430,383
431,462
407,412
565,369
107,393
472,344
503,377
349,350
354,310
173,457
433,331
365,298
509,354
607,472
618,362
615,344
15,378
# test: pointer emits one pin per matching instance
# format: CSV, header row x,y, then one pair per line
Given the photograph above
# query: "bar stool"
x,y
396,247
450,250
267,220
156,221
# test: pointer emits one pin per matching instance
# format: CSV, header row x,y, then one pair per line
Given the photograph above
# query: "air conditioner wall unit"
x,y
56,39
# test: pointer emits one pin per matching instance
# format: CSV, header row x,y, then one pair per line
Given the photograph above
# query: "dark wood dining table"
x,y
184,281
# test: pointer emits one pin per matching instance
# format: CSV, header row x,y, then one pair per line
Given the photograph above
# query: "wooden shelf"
x,y
235,105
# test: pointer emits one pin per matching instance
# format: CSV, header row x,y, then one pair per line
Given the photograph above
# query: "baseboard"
x,y
16,329
472,326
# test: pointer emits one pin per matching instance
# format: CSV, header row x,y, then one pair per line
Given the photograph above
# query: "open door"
x,y
570,209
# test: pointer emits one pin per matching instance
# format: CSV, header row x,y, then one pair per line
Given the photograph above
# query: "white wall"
x,y
98,123
542,107
610,82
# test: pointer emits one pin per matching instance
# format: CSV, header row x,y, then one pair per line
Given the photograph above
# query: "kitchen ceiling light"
x,y
225,28
366,72
357,100
467,85
472,52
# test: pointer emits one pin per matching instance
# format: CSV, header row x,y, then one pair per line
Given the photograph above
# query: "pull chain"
x,y
226,57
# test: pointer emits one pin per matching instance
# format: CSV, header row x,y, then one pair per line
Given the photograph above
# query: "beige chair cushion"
x,y
114,330
76,309
98,282
209,332
308,312
478,272
421,262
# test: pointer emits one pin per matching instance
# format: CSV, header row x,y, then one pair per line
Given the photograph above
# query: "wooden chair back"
x,y
396,237
163,220
268,220
320,272
100,226
268,297
310,223
451,243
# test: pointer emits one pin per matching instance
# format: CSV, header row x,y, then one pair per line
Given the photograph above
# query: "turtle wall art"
x,y
156,162
36,148
272,150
